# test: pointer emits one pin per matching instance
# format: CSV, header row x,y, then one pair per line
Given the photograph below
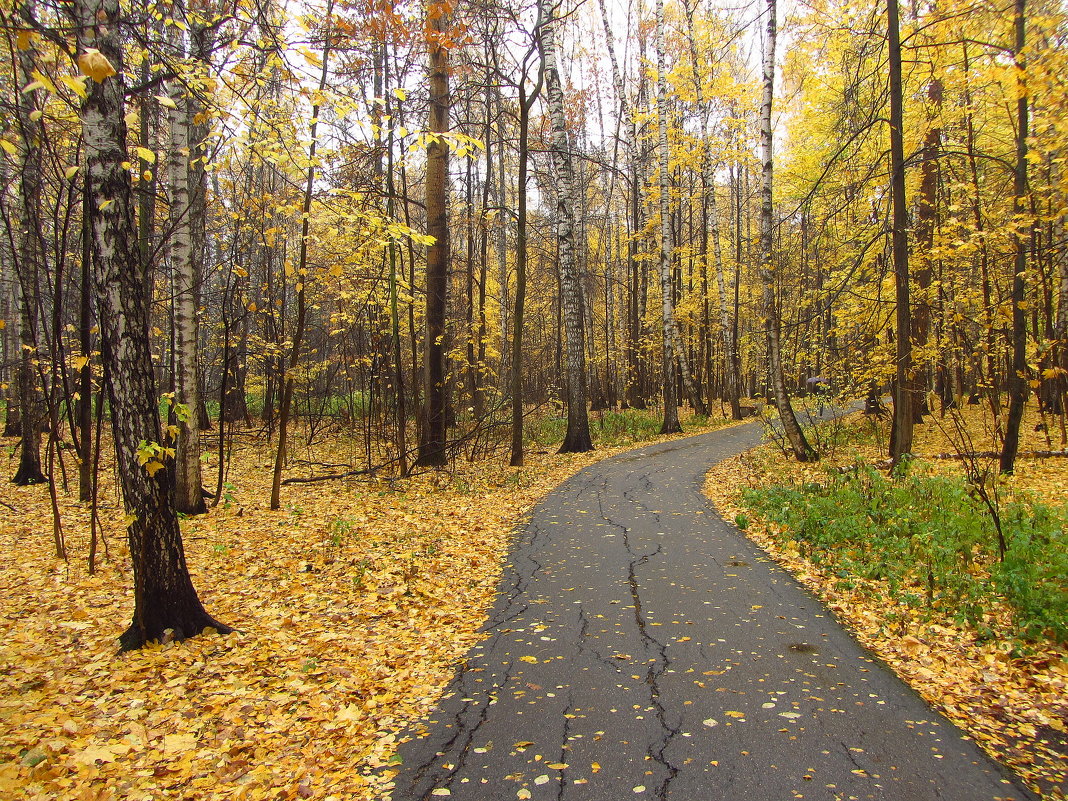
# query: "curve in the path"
x,y
643,648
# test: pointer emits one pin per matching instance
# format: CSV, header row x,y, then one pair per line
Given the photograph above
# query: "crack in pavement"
x,y
653,671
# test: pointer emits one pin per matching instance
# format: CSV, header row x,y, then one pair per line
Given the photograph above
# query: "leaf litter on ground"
x,y
353,606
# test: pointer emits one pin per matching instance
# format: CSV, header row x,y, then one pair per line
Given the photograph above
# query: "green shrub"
x,y
933,543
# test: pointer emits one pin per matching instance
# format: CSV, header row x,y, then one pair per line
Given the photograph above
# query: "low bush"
x,y
932,543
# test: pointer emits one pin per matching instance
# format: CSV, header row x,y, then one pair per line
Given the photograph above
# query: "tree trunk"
x,y
577,439
201,38
673,340
27,268
526,103
85,339
189,495
166,605
433,428
1022,241
710,229
772,320
926,222
901,433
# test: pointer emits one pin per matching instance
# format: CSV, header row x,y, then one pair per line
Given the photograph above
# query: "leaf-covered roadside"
x,y
353,605
945,628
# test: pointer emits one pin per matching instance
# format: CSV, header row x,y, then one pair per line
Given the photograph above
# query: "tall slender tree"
x,y
772,317
901,433
527,99
433,427
1021,239
28,267
302,268
577,438
189,496
671,422
710,223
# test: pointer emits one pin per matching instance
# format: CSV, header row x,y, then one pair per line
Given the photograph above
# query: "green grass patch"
x,y
609,429
933,544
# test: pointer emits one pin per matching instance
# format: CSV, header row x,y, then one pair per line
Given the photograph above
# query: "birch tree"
x,y
671,424
577,439
674,350
711,223
772,317
166,605
189,497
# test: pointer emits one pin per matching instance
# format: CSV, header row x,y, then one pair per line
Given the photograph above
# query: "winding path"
x,y
642,648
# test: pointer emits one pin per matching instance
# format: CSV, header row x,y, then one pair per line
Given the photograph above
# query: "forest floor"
x,y
352,604
1010,697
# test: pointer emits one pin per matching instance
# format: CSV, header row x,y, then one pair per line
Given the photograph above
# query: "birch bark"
x,y
166,605
189,497
577,439
772,320
709,186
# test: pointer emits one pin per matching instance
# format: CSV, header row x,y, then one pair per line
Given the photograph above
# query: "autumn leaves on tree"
x,y
441,230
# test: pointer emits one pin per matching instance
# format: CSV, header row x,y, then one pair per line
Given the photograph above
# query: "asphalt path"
x,y
641,647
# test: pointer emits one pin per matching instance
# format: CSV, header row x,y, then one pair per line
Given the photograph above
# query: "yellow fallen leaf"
x,y
179,742
98,753
531,659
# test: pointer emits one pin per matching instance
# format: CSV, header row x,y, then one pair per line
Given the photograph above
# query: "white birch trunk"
x,y
189,497
165,601
577,438
802,450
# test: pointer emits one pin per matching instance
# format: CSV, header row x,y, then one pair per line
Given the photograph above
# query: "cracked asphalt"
x,y
641,647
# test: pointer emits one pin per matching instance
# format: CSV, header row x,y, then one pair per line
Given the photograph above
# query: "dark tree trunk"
x,y
926,222
434,425
1022,241
901,433
27,268
526,102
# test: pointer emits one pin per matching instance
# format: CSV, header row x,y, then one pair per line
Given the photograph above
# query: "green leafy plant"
x,y
933,543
